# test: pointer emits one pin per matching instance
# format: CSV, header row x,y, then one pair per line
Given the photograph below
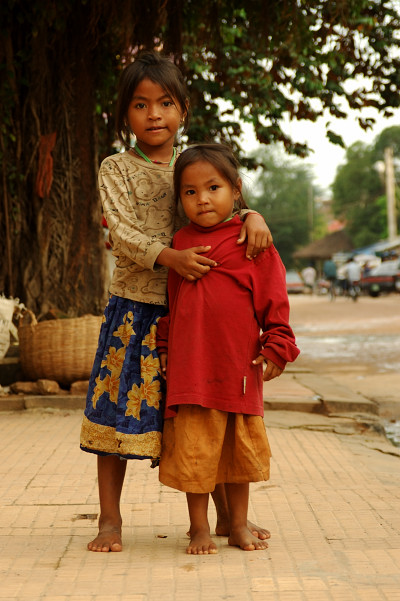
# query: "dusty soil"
x,y
317,314
355,324
356,343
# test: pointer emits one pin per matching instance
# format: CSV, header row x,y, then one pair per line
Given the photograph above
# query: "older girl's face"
x,y
154,117
207,197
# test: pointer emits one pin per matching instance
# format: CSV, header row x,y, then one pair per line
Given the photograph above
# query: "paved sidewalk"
x,y
332,505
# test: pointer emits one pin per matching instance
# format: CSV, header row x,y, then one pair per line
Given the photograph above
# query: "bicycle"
x,y
353,290
332,289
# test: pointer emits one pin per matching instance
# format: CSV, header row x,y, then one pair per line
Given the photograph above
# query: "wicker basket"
x,y
59,349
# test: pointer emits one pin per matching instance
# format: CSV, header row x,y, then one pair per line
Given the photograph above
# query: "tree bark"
x,y
57,249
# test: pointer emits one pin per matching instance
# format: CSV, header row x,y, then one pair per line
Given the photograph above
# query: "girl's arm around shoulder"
x,y
255,231
129,230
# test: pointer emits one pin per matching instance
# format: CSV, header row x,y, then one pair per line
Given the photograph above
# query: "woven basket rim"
x,y
59,349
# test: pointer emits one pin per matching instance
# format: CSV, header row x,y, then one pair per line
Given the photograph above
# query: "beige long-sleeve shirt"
x,y
142,217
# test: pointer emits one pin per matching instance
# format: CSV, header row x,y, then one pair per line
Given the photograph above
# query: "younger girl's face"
x,y
207,197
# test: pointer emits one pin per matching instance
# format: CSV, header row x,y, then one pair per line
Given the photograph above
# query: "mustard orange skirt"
x,y
203,447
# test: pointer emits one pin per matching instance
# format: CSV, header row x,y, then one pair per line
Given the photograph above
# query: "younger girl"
x,y
214,431
123,418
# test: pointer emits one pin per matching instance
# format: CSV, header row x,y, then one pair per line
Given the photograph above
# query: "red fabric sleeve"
x,y
271,305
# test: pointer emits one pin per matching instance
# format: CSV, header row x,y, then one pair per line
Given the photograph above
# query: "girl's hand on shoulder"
x,y
271,370
163,364
257,233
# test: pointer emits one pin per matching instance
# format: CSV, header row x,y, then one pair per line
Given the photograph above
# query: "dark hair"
x,y
159,69
220,156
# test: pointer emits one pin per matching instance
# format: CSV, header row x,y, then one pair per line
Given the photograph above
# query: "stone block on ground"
x,y
43,387
55,402
335,397
286,393
79,388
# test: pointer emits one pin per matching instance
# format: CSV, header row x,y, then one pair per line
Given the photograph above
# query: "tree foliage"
x,y
388,137
284,194
359,189
59,64
271,59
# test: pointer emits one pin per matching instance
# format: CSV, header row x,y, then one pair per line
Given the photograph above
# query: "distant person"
x,y
366,270
352,271
309,275
341,279
330,273
213,354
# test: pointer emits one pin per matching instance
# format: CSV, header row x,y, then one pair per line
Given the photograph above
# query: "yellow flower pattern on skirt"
x,y
135,402
124,404
114,362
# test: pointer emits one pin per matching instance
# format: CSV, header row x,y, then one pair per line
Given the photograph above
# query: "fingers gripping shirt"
x,y
142,217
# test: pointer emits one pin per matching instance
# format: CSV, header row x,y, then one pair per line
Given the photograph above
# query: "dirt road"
x,y
357,343
317,314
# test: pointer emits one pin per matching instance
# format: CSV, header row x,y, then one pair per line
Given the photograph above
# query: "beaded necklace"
x,y
146,158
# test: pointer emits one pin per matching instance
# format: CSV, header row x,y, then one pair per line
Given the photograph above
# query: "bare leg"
x,y
238,499
111,473
221,506
200,538
222,527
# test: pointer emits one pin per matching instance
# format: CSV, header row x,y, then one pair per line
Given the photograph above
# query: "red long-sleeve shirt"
x,y
212,332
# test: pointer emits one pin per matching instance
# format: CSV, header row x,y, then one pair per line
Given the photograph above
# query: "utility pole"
x,y
390,194
310,211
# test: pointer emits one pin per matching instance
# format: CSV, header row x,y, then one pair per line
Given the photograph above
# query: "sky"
x,y
327,156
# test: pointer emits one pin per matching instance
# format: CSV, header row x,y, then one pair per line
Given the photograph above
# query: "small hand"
x,y
271,370
191,264
258,235
163,364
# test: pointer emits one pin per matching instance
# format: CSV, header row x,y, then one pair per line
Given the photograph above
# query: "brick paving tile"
x,y
332,505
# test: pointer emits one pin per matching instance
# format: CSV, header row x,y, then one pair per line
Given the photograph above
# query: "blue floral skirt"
x,y
124,409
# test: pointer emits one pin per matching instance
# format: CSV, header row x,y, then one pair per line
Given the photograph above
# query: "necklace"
x,y
146,158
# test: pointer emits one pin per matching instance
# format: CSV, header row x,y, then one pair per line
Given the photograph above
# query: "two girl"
x,y
124,415
212,352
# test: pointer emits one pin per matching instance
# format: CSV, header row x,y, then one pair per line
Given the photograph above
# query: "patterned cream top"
x,y
142,217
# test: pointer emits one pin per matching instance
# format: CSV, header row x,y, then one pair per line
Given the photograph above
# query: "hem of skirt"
x,y
103,440
106,454
193,487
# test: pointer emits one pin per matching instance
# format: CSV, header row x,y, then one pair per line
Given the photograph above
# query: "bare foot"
x,y
108,539
243,538
201,544
257,531
222,529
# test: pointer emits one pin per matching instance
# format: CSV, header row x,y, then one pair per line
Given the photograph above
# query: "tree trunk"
x,y
57,256
86,257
